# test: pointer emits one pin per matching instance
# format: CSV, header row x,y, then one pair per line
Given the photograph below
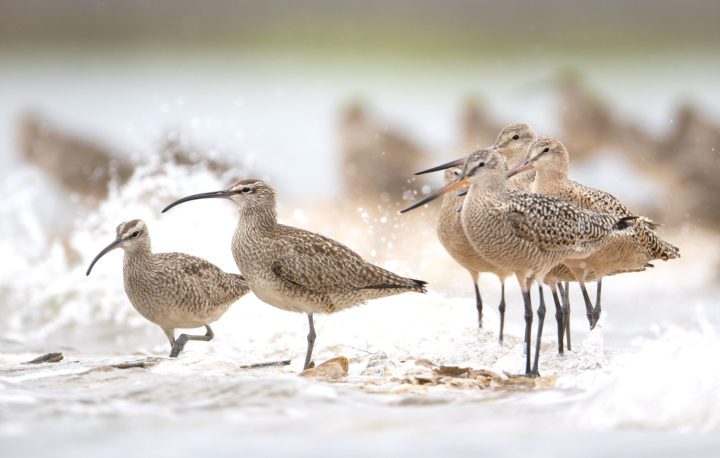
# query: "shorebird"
x,y
630,252
173,290
528,234
452,237
297,270
512,142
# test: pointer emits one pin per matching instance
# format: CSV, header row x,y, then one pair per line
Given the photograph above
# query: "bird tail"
x,y
649,223
420,285
625,222
407,284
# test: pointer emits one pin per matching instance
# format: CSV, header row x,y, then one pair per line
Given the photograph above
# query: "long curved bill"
x,y
527,165
204,195
447,188
106,250
447,165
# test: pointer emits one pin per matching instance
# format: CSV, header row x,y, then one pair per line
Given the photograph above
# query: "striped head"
x,y
252,194
452,174
513,141
548,156
130,236
486,169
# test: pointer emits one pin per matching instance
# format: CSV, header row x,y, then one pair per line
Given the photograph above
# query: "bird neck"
x,y
255,220
450,204
137,254
481,190
548,178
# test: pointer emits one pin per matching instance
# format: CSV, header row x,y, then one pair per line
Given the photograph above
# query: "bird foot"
x,y
531,374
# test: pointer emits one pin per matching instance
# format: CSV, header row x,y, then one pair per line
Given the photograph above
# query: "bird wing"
x,y
320,264
553,224
206,277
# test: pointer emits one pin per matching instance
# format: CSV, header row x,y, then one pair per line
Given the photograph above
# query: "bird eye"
x,y
515,137
481,164
456,173
135,234
546,150
246,189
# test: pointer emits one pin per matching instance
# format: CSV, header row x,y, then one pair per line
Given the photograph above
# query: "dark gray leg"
x,y
184,338
478,304
528,328
501,309
597,309
559,319
588,304
311,341
565,296
170,334
541,321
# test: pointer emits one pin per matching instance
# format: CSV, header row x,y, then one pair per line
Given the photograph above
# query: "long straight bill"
x,y
447,188
527,165
447,165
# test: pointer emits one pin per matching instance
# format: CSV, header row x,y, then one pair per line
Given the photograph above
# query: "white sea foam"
x,y
669,381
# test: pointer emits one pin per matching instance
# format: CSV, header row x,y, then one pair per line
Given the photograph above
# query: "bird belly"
x,y
282,299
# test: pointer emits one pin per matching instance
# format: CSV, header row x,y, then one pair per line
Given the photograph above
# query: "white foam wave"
x,y
670,382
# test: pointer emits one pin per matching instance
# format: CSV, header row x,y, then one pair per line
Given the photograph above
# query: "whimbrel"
x,y
630,252
173,290
452,237
526,233
297,270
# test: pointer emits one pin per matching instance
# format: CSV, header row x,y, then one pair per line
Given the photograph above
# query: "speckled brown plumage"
x,y
297,270
631,252
173,290
528,234
452,237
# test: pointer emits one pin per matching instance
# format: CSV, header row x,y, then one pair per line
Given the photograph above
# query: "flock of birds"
x,y
530,221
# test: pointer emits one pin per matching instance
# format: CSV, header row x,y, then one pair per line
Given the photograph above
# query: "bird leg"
x,y
565,297
478,304
501,309
597,309
528,323
558,317
541,321
311,342
182,339
588,304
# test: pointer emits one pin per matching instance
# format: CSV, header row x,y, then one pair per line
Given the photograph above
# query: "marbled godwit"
x,y
173,290
630,252
452,237
512,142
526,233
297,270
